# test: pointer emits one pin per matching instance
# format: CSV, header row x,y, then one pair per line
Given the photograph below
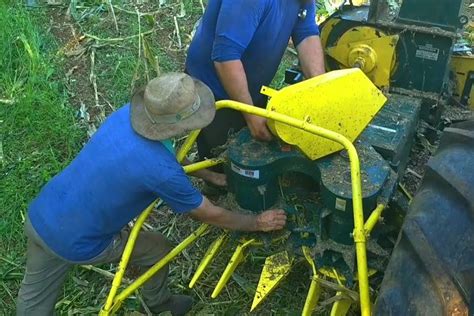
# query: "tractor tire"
x,y
431,271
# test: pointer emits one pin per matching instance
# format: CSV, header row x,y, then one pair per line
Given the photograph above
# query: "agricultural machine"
x,y
342,144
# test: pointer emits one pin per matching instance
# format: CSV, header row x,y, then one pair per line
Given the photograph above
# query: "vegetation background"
x,y
64,66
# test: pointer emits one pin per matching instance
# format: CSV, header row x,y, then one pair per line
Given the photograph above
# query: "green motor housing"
x,y
254,169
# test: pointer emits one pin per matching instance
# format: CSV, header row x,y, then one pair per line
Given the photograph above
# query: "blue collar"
x,y
169,145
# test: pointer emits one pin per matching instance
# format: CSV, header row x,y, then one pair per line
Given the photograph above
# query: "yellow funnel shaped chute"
x,y
343,101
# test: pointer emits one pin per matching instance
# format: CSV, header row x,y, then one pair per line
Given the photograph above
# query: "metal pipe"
x,y
359,231
187,145
373,218
112,302
126,256
160,264
314,289
203,165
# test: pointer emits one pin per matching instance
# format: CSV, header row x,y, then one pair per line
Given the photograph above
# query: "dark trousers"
x,y
215,134
46,271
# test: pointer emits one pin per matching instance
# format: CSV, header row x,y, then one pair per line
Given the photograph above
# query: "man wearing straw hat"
x,y
81,215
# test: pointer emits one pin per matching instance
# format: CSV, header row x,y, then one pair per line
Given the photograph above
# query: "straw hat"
x,y
171,105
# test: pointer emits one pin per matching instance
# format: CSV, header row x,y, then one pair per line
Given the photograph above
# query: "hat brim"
x,y
160,131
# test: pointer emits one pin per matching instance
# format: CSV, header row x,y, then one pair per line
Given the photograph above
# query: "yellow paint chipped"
x,y
234,262
343,101
369,49
314,292
275,269
208,257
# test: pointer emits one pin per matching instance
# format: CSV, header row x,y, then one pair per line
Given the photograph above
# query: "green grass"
x,y
39,134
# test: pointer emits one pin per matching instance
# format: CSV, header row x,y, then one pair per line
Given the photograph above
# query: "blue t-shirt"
x,y
113,179
256,32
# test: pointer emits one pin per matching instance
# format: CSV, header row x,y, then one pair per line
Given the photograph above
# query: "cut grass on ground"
x,y
55,86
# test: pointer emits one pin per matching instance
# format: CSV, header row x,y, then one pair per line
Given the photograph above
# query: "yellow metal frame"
x,y
114,301
237,257
314,289
461,66
208,257
275,269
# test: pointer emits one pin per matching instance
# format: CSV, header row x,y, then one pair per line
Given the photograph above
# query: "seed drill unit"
x,y
342,144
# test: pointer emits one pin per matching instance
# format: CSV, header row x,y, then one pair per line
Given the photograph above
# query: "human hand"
x,y
216,178
271,220
258,128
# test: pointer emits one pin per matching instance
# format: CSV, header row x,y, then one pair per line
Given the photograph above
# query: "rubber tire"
x,y
431,271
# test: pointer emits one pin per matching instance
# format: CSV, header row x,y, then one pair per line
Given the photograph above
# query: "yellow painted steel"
x,y
163,262
461,66
234,262
187,145
276,268
129,290
203,165
328,102
327,30
359,231
342,306
315,289
369,49
125,259
113,302
360,2
217,244
373,218
211,252
330,273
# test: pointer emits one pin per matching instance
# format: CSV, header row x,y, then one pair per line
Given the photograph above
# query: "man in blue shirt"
x,y
81,215
238,47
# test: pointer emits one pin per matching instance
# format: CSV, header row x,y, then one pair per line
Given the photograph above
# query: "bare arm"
x,y
233,78
311,56
208,175
214,215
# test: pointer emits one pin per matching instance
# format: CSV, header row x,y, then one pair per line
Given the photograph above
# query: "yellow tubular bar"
x,y
112,303
314,290
373,218
203,165
341,307
208,257
359,231
127,253
234,262
160,264
187,145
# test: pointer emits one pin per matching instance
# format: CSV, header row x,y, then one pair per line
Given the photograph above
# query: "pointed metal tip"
x,y
276,267
208,258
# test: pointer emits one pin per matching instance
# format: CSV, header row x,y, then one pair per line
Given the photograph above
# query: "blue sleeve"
x,y
236,25
179,193
307,26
